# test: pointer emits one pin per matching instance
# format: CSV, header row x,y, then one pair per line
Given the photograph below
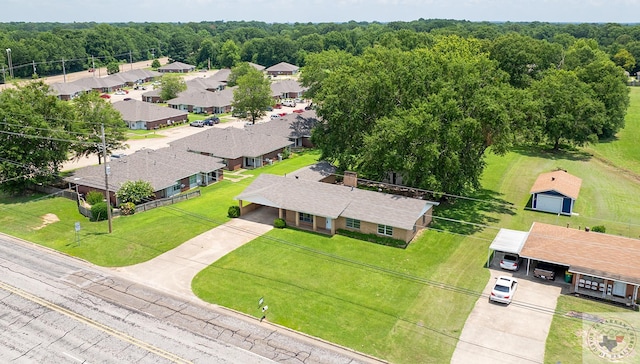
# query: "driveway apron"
x,y
173,271
517,333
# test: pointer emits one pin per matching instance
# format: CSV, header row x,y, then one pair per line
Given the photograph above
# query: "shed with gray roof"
x,y
325,207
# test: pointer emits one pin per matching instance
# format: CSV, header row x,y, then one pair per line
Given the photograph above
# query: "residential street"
x,y
56,308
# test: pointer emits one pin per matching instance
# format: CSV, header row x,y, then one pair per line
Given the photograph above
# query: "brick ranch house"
x,y
324,207
169,171
296,127
603,266
238,148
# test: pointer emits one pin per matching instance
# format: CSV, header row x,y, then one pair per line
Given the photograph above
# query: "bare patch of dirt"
x,y
48,219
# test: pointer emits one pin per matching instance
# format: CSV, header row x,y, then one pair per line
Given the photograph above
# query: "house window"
x,y
305,217
193,180
385,230
353,223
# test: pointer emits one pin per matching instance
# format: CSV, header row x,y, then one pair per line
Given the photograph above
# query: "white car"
x,y
510,262
275,116
290,103
120,92
504,289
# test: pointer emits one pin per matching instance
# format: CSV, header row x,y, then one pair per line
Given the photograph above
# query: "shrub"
x,y
134,191
234,211
128,208
94,197
99,211
279,223
373,238
599,229
286,153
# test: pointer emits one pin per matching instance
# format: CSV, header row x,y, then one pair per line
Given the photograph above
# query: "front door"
x,y
328,224
619,289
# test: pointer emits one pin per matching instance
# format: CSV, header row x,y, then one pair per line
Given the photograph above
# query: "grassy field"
x,y
135,238
409,306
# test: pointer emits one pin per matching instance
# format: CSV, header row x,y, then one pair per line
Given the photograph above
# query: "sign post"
x,y
77,228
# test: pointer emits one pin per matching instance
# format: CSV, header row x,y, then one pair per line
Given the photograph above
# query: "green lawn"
x,y
135,238
565,340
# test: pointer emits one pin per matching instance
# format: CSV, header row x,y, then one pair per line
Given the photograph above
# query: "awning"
x,y
509,241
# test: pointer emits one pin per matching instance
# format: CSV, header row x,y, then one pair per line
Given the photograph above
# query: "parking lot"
x,y
499,333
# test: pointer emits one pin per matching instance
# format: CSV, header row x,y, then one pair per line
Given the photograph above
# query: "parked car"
x,y
275,116
120,92
298,100
298,111
127,99
277,106
311,106
212,120
282,114
544,271
504,289
289,103
197,123
105,96
269,108
510,262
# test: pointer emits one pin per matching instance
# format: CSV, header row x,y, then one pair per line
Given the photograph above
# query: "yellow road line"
x,y
111,331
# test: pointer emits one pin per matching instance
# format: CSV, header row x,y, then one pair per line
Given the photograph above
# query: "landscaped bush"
x,y
128,208
234,211
94,197
99,211
279,223
599,229
373,238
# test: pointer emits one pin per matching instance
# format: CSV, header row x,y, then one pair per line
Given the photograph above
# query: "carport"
x,y
507,241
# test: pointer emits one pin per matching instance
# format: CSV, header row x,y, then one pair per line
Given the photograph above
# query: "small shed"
x,y
507,241
555,192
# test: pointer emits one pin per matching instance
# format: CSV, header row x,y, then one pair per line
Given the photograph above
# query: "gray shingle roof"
x,y
67,89
289,126
177,66
204,84
162,168
286,86
283,67
333,201
314,172
221,75
231,143
204,98
256,66
134,75
134,110
98,83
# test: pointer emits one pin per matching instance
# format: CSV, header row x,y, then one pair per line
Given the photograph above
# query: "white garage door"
x,y
549,203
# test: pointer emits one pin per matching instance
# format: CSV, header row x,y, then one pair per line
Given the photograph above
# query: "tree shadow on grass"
x,y
469,216
564,153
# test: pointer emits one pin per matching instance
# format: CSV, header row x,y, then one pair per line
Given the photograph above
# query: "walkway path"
x,y
173,271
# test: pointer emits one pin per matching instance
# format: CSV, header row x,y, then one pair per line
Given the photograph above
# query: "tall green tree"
x,y
35,136
238,71
428,114
625,60
229,54
171,85
253,94
93,113
113,67
571,112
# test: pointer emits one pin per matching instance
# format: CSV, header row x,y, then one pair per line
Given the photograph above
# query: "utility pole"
x,y
34,67
4,76
10,63
64,72
153,54
130,60
106,176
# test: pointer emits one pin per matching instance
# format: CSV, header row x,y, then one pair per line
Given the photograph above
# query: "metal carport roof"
x,y
508,241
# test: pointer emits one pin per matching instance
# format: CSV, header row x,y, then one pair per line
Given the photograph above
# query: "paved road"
x,y
58,309
517,333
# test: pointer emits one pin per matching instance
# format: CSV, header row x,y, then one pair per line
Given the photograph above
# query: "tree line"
x,y
79,46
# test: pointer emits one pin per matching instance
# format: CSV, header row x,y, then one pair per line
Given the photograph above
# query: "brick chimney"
x,y
350,179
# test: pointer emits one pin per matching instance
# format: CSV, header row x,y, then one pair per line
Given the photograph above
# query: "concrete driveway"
x,y
496,333
173,271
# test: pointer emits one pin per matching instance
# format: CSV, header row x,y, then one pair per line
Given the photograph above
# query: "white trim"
x,y
609,278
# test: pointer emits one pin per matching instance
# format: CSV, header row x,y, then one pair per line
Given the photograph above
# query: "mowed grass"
x,y
623,151
407,306
135,238
567,334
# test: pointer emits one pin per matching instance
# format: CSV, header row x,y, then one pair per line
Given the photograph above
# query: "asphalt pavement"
x,y
59,309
